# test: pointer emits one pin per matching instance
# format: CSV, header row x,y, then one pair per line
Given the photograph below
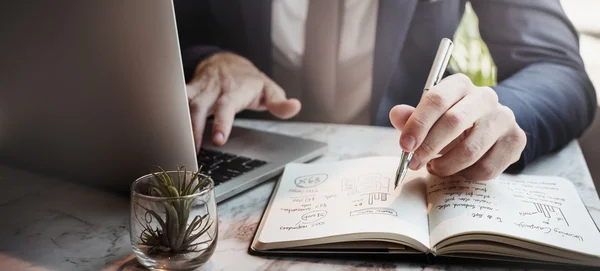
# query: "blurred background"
x,y
471,57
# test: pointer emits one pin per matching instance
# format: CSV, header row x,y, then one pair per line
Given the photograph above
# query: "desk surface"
x,y
52,224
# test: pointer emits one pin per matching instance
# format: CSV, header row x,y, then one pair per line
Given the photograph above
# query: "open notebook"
x,y
351,207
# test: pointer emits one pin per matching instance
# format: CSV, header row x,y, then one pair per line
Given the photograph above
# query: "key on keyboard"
x,y
223,166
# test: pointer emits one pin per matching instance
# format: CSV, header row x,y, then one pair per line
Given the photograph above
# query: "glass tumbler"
x,y
173,224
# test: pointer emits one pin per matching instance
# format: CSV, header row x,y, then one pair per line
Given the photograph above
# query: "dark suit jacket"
x,y
534,46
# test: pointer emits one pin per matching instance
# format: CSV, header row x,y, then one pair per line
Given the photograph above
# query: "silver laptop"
x,y
94,92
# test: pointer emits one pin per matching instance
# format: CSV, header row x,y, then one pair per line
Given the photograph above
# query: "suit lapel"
x,y
393,22
256,19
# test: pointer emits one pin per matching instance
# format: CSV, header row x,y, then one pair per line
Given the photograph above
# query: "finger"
x,y
505,152
225,111
227,105
236,95
200,106
479,141
276,102
454,122
454,142
432,106
400,114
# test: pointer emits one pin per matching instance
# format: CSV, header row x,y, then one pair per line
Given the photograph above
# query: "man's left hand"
x,y
476,136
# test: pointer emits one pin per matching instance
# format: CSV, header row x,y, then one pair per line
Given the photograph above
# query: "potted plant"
x,y
173,219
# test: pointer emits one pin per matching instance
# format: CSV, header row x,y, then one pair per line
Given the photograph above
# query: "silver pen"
x,y
438,67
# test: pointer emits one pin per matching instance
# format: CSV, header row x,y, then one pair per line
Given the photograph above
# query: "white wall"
x,y
585,15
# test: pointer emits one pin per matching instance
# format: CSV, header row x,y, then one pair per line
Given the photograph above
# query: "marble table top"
x,y
52,224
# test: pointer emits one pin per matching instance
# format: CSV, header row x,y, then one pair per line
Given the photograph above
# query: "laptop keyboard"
x,y
222,166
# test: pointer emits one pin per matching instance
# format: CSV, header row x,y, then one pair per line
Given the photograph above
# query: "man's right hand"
x,y
225,84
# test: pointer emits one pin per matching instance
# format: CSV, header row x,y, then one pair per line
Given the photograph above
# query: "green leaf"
x,y
173,191
184,213
158,191
188,206
197,235
150,237
205,227
161,178
155,215
187,190
182,181
197,220
197,223
183,216
190,182
172,225
157,185
200,184
167,176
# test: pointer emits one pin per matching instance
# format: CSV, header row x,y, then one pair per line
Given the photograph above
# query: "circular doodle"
x,y
309,181
313,216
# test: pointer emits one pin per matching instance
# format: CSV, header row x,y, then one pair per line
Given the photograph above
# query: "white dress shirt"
x,y
352,91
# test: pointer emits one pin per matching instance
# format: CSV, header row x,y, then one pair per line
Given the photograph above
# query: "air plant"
x,y
471,54
174,234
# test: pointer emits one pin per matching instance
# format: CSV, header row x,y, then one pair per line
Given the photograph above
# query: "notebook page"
x,y
346,197
541,209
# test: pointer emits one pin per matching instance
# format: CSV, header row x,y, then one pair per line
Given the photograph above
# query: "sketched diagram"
x,y
373,186
546,212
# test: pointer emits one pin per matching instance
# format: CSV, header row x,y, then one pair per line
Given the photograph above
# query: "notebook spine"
x,y
430,257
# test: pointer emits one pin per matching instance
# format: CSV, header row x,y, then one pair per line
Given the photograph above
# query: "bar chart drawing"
x,y
548,212
373,187
376,196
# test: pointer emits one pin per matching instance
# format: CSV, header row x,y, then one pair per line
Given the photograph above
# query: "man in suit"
x,y
366,61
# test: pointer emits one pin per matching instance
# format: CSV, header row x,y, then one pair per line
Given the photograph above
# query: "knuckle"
x,y
470,151
514,135
426,150
222,124
436,99
211,71
463,78
463,81
517,138
218,121
264,77
515,141
194,104
514,159
522,138
418,123
455,118
507,113
213,88
227,83
441,169
202,67
488,94
487,170
224,100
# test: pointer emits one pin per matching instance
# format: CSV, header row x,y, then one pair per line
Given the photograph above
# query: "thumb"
x,y
399,115
277,103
